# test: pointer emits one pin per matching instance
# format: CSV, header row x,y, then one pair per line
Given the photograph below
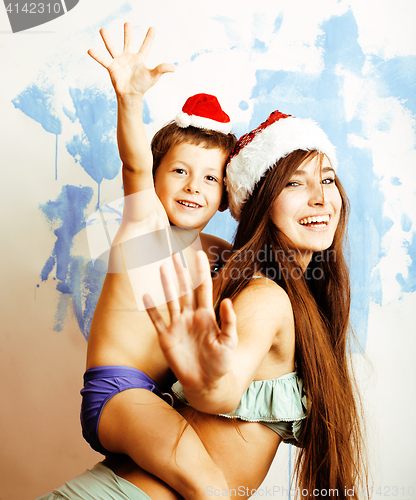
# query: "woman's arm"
x,y
214,366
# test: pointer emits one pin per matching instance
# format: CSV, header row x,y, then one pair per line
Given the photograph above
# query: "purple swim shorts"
x,y
100,385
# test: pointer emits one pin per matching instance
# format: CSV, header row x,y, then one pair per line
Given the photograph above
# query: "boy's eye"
x,y
211,178
179,171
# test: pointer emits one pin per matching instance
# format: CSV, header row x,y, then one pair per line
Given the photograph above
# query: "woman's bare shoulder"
x,y
263,302
261,286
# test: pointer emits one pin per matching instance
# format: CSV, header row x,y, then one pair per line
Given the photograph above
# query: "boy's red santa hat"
x,y
204,111
260,149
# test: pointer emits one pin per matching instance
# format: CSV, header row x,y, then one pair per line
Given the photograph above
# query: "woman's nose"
x,y
316,195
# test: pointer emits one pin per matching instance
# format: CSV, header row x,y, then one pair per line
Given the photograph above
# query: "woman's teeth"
x,y
315,220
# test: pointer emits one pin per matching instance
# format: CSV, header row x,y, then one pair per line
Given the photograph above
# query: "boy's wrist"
x,y
130,99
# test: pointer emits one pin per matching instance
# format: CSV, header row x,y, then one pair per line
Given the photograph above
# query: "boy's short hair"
x,y
172,135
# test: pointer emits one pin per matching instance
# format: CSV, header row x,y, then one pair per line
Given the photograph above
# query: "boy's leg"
x,y
138,423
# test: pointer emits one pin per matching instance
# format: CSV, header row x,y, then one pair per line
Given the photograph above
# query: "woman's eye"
x,y
329,180
292,184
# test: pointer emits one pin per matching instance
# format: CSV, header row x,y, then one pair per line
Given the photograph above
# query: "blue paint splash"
x,y
79,282
409,284
406,223
67,209
146,114
200,53
278,23
397,77
36,103
259,46
95,149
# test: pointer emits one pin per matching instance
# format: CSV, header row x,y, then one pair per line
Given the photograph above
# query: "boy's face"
x,y
189,183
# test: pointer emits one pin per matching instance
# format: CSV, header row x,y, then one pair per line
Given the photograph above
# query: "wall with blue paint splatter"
x,y
348,64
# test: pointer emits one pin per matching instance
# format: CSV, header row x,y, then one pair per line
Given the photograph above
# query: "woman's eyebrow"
x,y
300,171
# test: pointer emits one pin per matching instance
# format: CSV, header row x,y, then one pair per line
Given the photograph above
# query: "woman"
x,y
299,210
289,285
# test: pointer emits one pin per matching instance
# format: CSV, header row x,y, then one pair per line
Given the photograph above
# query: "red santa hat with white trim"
x,y
205,112
259,150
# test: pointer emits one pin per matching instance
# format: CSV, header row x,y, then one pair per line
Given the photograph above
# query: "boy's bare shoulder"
x,y
217,249
209,240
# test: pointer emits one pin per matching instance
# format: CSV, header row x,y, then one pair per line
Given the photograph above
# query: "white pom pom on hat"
x,y
205,112
257,151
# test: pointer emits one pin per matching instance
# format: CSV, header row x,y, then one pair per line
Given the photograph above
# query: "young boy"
x,y
123,409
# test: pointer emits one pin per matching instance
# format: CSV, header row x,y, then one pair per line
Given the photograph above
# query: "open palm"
x,y
197,350
128,71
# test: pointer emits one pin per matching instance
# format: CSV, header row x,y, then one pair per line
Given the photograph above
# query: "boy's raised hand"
x,y
128,71
198,352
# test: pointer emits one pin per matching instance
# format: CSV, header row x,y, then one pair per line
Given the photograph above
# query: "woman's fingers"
x,y
109,43
99,58
147,42
128,38
154,314
171,294
185,289
228,323
204,291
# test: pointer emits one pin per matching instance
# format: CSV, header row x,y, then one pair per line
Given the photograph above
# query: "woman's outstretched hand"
x,y
128,71
197,350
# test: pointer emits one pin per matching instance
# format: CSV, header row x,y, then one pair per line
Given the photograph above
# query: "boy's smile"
x,y
189,183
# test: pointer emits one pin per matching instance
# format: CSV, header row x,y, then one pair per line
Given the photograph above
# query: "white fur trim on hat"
x,y
268,146
184,120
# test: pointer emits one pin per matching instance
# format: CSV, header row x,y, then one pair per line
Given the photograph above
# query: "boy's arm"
x,y
131,78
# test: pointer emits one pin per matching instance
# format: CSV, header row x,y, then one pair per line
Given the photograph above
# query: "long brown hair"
x,y
330,455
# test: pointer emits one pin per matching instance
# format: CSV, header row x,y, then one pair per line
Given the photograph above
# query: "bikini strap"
x,y
261,277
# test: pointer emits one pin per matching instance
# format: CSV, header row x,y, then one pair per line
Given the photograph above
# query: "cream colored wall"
x,y
40,373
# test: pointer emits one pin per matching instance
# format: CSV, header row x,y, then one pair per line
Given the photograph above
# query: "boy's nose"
x,y
192,188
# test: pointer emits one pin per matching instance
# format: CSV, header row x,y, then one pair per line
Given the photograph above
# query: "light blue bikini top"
x,y
278,403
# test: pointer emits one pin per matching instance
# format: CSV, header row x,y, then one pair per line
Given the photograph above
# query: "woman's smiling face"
x,y
307,210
